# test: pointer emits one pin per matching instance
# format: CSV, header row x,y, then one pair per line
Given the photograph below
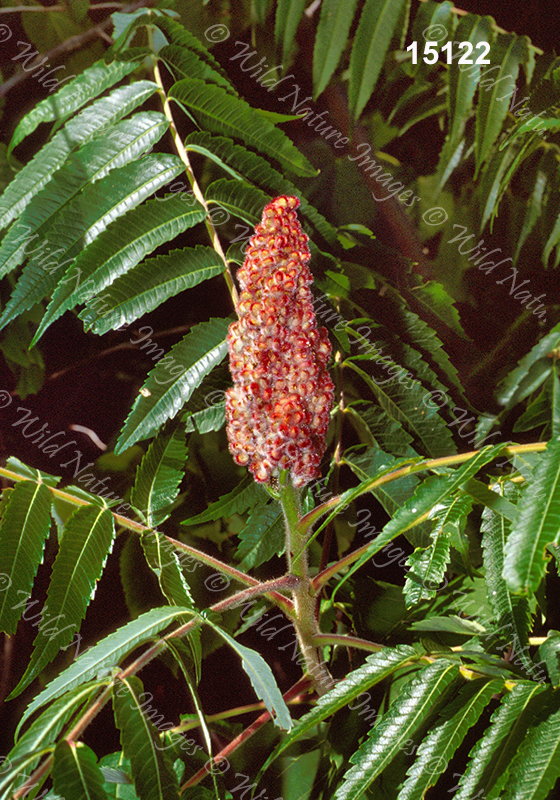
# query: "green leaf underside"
x,y
408,713
86,543
107,653
330,40
24,528
218,111
371,42
173,380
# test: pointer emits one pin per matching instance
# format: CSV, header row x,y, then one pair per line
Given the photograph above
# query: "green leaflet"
x,y
373,36
158,477
262,679
376,428
173,380
121,144
536,766
86,543
107,653
439,746
185,63
512,613
256,169
90,213
236,197
155,280
24,528
463,79
330,40
508,53
151,769
245,495
43,732
406,715
83,127
230,116
92,82
288,15
491,756
164,561
536,526
262,537
119,249
76,773
427,566
531,371
401,399
433,491
377,667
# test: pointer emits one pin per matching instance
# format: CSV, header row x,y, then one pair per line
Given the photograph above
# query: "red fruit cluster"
x,y
279,407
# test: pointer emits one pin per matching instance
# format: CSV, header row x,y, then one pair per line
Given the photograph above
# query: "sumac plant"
x,y
310,508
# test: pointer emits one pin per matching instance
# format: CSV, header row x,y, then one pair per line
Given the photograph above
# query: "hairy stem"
x,y
305,621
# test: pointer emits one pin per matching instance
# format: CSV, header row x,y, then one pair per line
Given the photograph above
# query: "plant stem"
x,y
305,621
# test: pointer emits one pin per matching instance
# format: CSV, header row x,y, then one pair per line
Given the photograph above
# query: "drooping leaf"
x,y
24,527
330,40
164,562
411,710
531,371
83,551
536,766
288,15
173,380
507,54
158,477
76,773
152,773
371,42
536,526
107,653
218,111
262,679
512,613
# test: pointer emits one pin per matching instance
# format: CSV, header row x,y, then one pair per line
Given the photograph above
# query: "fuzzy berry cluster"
x,y
279,407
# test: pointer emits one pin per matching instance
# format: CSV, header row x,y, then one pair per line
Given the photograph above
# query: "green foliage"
x,y
102,225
